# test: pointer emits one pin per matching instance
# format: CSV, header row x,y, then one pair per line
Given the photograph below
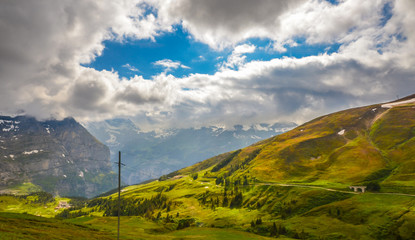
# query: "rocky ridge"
x,y
61,157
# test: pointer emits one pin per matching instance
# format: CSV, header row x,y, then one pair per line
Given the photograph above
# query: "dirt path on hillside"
x,y
332,190
307,186
378,116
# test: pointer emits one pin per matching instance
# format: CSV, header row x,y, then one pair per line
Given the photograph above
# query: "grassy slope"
x,y
377,146
15,204
23,226
139,228
316,153
316,213
375,140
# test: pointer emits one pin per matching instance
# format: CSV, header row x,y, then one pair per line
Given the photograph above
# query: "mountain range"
x,y
60,157
148,155
296,185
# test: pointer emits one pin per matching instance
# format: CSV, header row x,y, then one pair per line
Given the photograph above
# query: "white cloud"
x,y
237,58
43,44
282,89
169,64
131,68
201,58
223,24
323,22
244,48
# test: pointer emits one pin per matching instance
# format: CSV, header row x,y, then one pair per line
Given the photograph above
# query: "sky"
x,y
193,63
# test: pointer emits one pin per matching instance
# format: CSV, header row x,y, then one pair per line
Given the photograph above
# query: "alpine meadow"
x,y
207,119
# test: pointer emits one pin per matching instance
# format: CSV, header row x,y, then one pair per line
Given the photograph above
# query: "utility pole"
x,y
119,192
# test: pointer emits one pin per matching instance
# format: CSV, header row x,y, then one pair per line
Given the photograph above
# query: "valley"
x,y
148,155
207,120
200,208
291,186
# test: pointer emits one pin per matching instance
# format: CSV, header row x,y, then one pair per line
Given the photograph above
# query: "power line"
x,y
119,192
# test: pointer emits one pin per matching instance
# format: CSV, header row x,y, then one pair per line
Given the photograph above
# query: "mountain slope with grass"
x,y
292,186
372,144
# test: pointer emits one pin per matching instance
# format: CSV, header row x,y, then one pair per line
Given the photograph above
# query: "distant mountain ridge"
x,y
149,155
61,157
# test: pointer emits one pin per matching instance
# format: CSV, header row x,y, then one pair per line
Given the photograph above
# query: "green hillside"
x,y
351,147
292,186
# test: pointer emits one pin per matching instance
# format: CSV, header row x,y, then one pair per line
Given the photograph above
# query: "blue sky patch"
x,y
138,57
142,54
386,13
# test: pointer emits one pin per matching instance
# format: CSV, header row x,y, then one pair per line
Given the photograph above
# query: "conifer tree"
x,y
273,231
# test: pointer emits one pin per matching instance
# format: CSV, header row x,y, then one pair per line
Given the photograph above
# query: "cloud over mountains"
x,y
45,45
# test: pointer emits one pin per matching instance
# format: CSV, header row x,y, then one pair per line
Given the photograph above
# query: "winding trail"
x,y
331,190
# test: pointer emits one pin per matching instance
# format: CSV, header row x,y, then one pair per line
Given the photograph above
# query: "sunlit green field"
x,y
298,213
23,226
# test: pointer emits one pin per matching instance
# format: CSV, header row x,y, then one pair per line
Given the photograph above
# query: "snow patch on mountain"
x,y
32,152
9,125
393,104
341,132
112,140
282,130
10,128
237,136
5,121
217,130
261,127
164,133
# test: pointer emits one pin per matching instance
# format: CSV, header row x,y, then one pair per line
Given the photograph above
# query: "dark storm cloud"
x,y
223,23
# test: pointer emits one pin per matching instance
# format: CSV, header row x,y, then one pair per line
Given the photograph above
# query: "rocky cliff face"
x,y
60,156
